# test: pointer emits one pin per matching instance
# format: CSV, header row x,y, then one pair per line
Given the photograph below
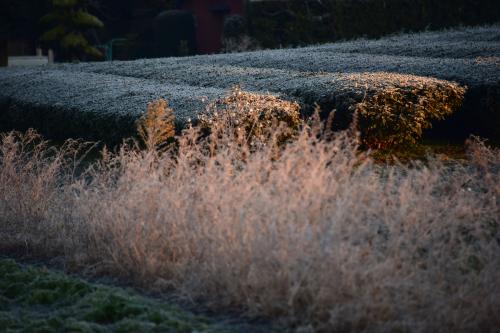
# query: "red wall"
x,y
210,19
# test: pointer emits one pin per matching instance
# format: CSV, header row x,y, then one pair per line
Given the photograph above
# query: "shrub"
x,y
252,118
399,116
243,43
234,26
174,34
70,23
235,36
157,126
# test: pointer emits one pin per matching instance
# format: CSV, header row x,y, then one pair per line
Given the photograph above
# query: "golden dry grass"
x,y
317,236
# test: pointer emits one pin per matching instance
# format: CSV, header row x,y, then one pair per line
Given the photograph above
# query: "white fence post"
x,y
51,56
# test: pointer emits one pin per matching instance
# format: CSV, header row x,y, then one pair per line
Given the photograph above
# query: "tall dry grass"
x,y
313,234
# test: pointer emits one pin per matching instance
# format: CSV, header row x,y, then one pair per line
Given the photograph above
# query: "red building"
x,y
209,17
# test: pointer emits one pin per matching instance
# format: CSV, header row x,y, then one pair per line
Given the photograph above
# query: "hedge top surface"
x,y
309,87
125,88
470,56
466,71
99,94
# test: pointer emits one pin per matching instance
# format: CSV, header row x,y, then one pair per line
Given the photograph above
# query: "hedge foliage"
x,y
399,116
103,100
300,22
93,106
462,42
105,107
252,118
464,55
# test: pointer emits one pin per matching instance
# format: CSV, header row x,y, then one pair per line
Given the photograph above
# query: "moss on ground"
x,y
34,299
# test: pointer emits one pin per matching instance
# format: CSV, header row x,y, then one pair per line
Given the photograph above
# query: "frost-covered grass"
x,y
36,299
313,234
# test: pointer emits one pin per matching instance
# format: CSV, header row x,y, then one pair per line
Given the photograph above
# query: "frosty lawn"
x,y
35,299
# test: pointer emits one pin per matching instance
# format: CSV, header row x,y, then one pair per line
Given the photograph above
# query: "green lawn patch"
x,y
35,299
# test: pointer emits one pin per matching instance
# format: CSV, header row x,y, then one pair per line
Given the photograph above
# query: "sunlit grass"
x,y
314,233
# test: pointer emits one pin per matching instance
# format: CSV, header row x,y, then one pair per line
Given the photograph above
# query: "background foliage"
x,y
70,22
299,22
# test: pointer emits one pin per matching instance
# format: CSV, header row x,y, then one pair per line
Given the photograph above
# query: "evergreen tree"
x,y
70,22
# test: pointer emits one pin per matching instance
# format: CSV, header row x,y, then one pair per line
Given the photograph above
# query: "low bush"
x,y
252,118
157,126
398,116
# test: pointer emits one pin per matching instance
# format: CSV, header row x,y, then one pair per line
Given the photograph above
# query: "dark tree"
x,y
70,23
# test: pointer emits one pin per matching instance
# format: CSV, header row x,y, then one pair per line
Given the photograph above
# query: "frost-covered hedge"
x,y
468,56
105,106
309,87
481,112
104,99
88,105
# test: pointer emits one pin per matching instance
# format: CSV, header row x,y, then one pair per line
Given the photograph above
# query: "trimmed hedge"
x,y
109,104
470,56
411,87
64,104
293,71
